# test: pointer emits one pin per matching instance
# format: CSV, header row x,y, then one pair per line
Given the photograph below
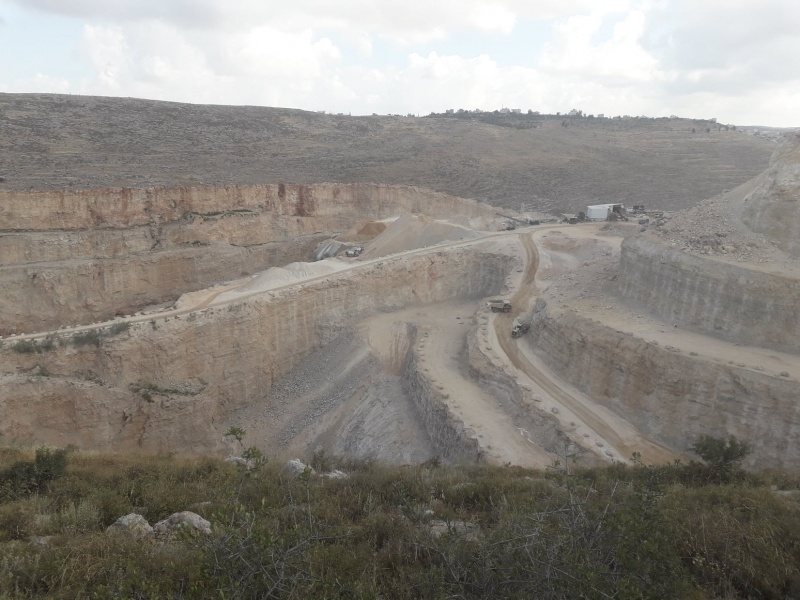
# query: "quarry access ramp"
x,y
209,298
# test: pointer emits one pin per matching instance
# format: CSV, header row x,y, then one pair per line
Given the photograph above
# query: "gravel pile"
x,y
713,228
410,232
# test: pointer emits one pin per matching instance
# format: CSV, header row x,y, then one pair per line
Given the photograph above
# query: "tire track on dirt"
x,y
650,451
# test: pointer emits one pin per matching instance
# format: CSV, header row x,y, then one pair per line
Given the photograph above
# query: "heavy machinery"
x,y
519,328
499,305
514,222
355,251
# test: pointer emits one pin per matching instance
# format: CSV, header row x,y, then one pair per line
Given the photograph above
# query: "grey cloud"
x,y
191,13
686,34
413,18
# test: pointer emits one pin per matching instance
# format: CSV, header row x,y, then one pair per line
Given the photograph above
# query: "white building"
x,y
600,212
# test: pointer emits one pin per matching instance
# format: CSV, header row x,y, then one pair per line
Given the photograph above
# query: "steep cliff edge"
x,y
727,267
736,303
173,383
773,208
82,256
671,397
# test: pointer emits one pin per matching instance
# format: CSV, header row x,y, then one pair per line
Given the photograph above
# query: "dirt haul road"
x,y
502,438
584,419
441,334
210,297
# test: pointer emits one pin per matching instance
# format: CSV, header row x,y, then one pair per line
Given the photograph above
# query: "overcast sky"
x,y
736,60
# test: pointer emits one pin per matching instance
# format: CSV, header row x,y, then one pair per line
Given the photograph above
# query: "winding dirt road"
x,y
612,430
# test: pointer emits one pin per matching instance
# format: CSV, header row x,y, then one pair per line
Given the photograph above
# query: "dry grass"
x,y
413,532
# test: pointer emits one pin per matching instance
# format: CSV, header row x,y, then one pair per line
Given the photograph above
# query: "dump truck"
x,y
499,305
355,251
519,328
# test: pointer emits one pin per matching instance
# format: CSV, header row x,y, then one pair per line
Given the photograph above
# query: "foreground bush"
x,y
412,532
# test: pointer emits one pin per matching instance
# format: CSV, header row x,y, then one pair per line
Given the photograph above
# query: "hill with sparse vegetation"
x,y
538,162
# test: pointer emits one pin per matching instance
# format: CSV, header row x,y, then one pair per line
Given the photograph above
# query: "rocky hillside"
x,y
694,331
552,163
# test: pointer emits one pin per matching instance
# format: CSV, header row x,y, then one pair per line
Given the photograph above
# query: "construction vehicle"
x,y
355,251
515,221
519,328
499,305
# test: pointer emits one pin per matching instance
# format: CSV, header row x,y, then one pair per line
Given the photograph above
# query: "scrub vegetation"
x,y
696,530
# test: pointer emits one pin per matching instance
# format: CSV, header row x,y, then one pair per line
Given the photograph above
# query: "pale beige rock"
x,y
82,256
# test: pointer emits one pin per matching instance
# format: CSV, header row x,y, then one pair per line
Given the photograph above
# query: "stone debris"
x,y
132,524
180,520
713,228
297,467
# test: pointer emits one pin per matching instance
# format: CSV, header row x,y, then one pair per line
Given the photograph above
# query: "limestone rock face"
x,y
296,467
177,521
724,300
71,257
672,398
207,364
773,208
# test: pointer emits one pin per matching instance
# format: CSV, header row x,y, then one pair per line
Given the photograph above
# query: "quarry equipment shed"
x,y
601,212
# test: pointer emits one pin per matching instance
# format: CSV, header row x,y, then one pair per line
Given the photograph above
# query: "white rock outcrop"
x,y
132,524
185,519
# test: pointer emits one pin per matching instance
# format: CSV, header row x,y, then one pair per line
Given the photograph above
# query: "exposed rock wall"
x,y
734,303
670,397
450,438
125,208
83,256
773,207
37,297
219,359
59,411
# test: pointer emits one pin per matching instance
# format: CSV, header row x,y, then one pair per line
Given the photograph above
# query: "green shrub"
x,y
118,328
48,343
85,338
26,347
25,477
622,532
16,521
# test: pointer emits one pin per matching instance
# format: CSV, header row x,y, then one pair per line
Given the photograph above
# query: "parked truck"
x,y
499,305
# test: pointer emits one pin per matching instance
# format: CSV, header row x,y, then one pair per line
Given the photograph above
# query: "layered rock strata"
x,y
171,384
733,302
772,208
451,440
670,397
81,256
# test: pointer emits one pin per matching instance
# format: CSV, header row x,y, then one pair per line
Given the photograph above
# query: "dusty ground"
x,y
352,397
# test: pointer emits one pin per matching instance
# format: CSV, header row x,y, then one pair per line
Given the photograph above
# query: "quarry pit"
x,y
154,320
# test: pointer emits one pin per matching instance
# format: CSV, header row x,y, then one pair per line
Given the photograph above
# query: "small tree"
x,y
723,456
236,433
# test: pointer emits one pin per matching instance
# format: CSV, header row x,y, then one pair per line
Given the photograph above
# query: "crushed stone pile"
x,y
363,231
478,223
279,276
296,271
714,228
411,232
328,248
